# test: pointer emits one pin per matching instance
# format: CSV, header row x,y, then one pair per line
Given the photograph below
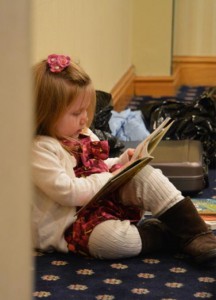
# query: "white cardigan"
x,y
57,191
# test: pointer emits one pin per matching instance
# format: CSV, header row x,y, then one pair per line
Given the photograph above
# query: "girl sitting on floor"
x,y
70,165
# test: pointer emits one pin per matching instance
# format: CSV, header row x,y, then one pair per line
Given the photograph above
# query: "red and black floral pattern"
x,y
90,158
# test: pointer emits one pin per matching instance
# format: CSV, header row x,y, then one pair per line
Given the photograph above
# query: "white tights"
x,y
151,191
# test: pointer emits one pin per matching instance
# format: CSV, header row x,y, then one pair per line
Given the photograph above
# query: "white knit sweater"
x,y
57,192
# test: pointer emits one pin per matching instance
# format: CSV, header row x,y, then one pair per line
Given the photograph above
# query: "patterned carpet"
x,y
153,277
164,277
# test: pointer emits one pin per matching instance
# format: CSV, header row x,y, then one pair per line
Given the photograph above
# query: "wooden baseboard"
x,y
196,70
123,91
187,70
156,85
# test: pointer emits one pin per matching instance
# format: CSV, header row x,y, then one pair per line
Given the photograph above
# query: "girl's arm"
x,y
53,175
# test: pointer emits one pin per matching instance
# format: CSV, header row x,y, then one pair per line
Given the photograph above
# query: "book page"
x,y
146,147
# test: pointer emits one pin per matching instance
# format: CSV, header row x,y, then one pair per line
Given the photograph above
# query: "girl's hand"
x,y
130,152
121,168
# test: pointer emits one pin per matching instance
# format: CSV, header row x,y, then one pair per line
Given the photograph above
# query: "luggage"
x,y
182,162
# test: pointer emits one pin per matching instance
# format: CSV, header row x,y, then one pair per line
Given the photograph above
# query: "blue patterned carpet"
x,y
61,276
153,277
159,276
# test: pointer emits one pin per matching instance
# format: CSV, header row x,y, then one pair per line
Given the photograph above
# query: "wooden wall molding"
x,y
123,91
187,70
156,85
196,70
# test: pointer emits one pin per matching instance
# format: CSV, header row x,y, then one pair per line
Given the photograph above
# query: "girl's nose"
x,y
84,118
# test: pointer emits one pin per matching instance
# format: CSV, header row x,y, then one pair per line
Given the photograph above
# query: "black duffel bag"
x,y
193,120
100,124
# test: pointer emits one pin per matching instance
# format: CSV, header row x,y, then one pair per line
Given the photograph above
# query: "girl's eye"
x,y
76,114
79,113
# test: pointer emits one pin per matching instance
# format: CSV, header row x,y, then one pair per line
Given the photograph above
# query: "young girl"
x,y
69,166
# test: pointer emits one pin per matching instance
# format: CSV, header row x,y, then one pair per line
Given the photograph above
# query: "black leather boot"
x,y
194,236
156,237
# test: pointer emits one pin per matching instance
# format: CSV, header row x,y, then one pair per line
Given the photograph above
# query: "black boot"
x,y
156,237
194,236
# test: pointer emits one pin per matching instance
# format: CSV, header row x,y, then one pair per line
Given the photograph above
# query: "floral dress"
x,y
90,158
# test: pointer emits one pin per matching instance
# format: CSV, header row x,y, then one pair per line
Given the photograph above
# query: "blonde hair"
x,y
54,92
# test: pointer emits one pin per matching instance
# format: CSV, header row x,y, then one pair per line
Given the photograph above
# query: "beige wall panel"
x,y
195,28
152,37
97,33
16,133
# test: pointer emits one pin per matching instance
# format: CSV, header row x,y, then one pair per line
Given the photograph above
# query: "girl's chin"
x,y
75,135
78,133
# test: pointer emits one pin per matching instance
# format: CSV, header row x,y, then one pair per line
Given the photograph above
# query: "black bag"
x,y
193,120
102,117
100,124
114,143
102,111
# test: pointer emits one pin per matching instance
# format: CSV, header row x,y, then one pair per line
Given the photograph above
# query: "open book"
x,y
141,157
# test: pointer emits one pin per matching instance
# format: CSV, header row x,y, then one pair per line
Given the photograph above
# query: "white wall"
x,y
15,132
